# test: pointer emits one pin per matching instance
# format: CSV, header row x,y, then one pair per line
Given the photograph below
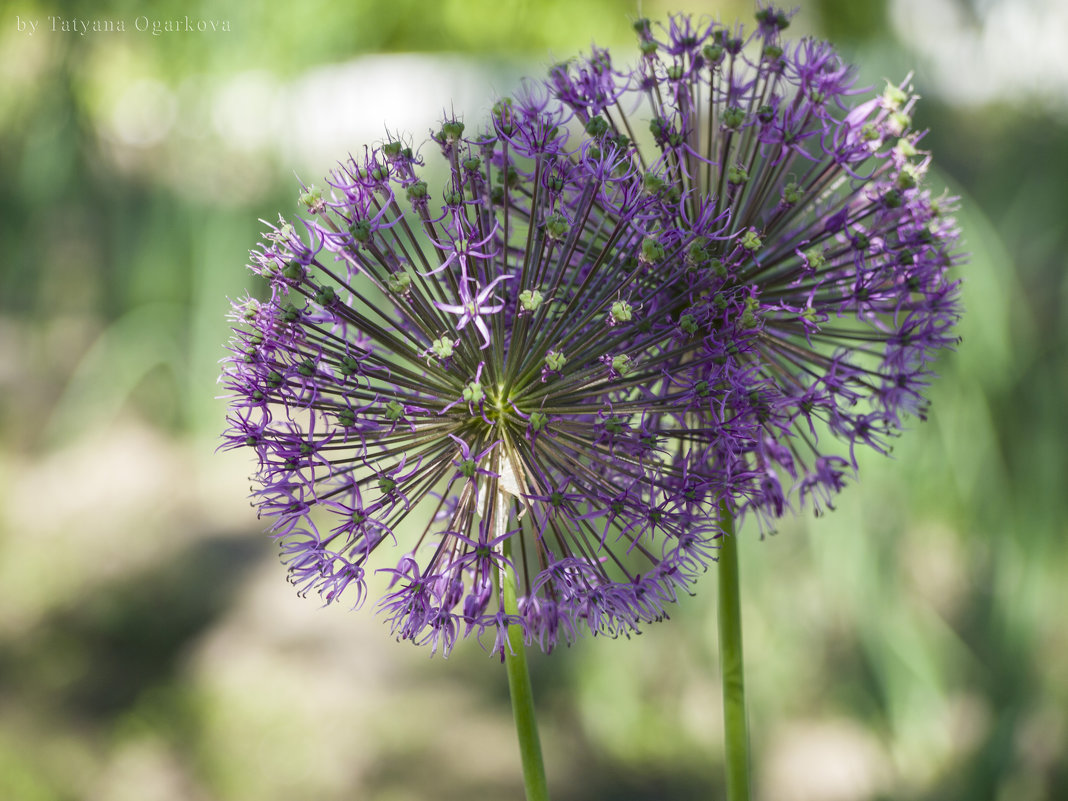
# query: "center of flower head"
x,y
495,407
496,411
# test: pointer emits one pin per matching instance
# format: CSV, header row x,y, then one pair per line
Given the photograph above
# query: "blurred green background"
x,y
911,645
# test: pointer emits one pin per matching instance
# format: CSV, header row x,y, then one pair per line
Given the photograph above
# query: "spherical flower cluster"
x,y
640,296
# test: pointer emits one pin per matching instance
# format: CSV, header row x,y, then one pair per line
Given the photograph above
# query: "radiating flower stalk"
x,y
642,297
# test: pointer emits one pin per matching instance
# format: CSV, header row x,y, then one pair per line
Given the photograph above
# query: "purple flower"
x,y
638,295
470,309
820,304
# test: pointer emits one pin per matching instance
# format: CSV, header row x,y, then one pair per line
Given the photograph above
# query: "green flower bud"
x,y
900,122
621,311
792,194
652,183
623,364
555,361
530,299
452,131
285,233
442,348
556,226
417,191
597,127
772,16
905,149
325,296
697,253
713,53
751,240
394,411
908,178
361,231
772,52
652,251
751,313
815,258
894,97
399,283
473,392
502,113
312,198
349,366
733,118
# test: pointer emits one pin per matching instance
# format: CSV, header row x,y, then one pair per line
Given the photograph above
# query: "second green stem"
x,y
735,722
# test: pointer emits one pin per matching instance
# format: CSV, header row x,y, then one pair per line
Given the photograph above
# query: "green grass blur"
x,y
909,645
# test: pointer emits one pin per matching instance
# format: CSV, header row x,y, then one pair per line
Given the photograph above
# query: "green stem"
x,y
735,724
515,663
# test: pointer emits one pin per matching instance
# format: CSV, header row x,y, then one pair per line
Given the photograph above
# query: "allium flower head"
x,y
826,284
638,295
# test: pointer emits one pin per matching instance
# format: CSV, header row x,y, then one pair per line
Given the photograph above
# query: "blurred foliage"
x,y
846,22
912,639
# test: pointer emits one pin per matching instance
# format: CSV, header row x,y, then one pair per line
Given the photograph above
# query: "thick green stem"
x,y
515,663
735,724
